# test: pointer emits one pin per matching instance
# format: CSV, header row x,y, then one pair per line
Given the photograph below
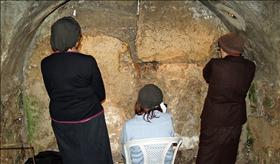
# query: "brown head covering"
x,y
231,43
65,33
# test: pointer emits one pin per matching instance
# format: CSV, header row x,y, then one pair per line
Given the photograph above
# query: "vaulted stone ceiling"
x,y
138,42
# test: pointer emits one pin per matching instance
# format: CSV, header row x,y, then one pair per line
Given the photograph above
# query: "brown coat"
x,y
229,79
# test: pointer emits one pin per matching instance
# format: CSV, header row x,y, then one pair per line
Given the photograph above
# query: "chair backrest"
x,y
154,149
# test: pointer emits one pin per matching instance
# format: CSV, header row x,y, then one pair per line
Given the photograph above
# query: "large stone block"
x,y
118,72
175,31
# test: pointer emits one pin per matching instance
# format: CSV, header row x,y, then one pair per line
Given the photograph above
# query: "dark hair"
x,y
65,33
148,113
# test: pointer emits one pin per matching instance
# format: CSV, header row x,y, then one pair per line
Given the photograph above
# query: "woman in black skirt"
x,y
76,90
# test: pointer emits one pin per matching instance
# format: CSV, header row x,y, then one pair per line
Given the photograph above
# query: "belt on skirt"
x,y
79,121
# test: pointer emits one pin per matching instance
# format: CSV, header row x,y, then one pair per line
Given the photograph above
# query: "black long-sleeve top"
x,y
74,84
229,79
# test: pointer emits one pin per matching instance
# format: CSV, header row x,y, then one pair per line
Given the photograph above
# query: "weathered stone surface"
x,y
12,127
36,101
12,68
118,73
11,13
176,31
17,34
263,122
185,84
265,145
166,43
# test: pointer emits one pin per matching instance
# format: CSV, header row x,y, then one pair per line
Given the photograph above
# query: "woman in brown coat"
x,y
224,112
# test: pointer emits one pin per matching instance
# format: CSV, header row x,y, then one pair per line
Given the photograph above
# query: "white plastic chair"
x,y
154,149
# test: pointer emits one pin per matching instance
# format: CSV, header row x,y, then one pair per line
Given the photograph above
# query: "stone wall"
x,y
166,43
168,52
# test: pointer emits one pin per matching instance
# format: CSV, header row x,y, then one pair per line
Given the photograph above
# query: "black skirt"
x,y
84,143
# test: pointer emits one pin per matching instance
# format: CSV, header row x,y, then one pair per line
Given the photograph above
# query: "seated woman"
x,y
150,121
